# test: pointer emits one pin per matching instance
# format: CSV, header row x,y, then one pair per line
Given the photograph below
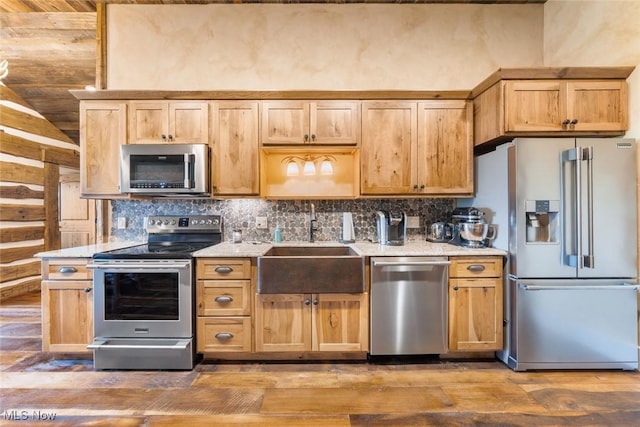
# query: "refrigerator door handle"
x,y
621,287
588,260
572,226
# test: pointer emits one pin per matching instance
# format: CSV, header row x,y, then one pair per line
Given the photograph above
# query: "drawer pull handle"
x,y
68,270
223,299
223,269
224,335
476,267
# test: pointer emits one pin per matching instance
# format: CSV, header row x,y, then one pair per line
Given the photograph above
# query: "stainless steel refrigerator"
x,y
566,211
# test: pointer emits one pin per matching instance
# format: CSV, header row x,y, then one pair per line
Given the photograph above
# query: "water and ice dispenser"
x,y
542,221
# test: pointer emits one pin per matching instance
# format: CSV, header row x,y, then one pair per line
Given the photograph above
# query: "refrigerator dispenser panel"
x,y
542,221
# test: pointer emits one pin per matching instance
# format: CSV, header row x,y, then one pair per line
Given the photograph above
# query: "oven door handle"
x,y
104,345
139,266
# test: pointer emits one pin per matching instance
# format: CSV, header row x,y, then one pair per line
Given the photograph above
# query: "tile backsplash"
x,y
291,216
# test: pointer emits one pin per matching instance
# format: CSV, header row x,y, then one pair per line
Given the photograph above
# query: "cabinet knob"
x,y
87,290
421,186
315,302
170,137
573,123
68,270
223,299
164,137
306,137
565,122
313,137
224,335
307,302
415,187
455,288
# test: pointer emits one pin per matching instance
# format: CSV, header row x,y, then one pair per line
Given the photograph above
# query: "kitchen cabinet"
x,y
103,127
475,303
175,122
67,305
417,148
235,144
223,305
310,123
553,107
311,322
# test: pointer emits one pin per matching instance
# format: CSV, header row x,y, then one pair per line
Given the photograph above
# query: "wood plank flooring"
x,y
35,387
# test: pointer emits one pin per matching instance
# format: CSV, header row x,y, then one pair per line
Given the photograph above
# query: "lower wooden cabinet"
x,y
223,305
311,322
475,304
67,306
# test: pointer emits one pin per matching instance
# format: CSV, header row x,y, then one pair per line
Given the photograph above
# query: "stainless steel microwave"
x,y
164,169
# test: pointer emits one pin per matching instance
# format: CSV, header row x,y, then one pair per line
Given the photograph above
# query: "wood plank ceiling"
x,y
51,48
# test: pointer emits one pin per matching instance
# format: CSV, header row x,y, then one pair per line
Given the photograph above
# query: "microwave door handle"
x,y
189,170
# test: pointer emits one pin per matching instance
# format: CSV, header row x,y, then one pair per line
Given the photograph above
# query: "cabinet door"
x,y
103,128
285,122
334,123
148,122
389,137
234,126
340,322
445,147
597,105
475,314
534,106
188,122
283,322
67,315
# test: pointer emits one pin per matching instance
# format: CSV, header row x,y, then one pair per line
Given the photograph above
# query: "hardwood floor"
x,y
35,388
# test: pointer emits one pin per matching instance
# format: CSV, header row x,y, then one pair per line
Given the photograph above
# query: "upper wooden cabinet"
x,y
103,128
234,142
302,122
421,148
563,106
445,147
177,122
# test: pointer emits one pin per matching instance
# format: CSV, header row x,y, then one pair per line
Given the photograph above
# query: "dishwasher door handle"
x,y
408,263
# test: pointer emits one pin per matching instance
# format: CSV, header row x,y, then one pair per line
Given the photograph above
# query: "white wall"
x,y
324,47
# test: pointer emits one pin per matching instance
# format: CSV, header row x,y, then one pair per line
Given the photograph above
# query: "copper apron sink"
x,y
310,269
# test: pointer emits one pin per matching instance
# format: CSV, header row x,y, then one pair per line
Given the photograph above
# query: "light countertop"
x,y
416,248
85,251
256,249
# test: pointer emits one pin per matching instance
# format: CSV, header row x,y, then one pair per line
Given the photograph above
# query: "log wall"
x,y
32,153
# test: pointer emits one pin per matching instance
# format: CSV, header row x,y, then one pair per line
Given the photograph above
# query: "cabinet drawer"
x,y
223,297
66,269
229,334
223,268
475,267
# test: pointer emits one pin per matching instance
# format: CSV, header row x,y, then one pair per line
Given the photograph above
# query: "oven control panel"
x,y
181,224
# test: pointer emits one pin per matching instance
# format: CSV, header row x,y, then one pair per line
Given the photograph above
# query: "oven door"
x,y
143,299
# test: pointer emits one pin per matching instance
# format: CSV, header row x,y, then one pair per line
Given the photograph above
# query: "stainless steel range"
x,y
144,296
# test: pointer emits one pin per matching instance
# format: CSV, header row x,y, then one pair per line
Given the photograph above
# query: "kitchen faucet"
x,y
312,222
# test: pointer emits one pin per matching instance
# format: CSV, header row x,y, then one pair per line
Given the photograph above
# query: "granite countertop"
x,y
256,249
85,251
415,248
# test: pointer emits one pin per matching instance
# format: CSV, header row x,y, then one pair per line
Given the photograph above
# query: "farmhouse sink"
x,y
310,269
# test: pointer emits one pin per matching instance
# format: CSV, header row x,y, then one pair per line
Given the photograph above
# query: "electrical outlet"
x,y
413,222
261,222
122,222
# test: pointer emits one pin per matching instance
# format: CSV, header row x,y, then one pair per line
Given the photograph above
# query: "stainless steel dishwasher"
x,y
408,305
